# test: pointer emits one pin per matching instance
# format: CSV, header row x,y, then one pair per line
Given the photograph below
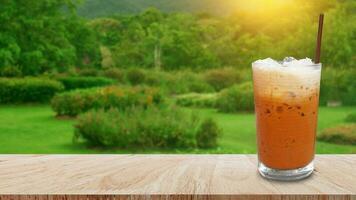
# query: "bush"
x,y
24,90
10,72
338,85
208,133
186,82
152,127
236,98
351,118
115,73
222,78
75,102
344,134
197,100
349,96
199,86
81,82
136,76
156,77
88,72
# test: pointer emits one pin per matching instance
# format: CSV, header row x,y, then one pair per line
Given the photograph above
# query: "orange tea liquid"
x,y
286,105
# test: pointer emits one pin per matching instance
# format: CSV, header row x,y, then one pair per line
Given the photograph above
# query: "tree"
x,y
43,35
85,41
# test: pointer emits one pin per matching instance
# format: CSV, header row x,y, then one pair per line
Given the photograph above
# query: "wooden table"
x,y
166,177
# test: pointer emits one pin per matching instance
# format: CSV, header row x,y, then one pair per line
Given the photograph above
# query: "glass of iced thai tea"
x,y
286,104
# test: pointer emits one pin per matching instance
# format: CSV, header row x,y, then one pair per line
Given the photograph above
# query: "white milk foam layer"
x,y
290,78
287,62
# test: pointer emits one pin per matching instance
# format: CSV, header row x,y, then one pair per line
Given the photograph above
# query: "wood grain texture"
x,y
166,177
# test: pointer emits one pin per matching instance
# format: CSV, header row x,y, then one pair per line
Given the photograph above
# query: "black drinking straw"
x,y
318,42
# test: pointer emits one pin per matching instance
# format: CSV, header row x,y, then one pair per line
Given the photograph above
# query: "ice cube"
x,y
288,59
295,63
305,61
268,62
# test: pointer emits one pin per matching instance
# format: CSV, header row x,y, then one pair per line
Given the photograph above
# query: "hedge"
x,y
207,100
81,82
28,90
74,102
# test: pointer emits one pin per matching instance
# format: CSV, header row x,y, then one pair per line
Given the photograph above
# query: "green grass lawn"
x,y
34,129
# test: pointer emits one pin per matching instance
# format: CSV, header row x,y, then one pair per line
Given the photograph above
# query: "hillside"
x,y
97,8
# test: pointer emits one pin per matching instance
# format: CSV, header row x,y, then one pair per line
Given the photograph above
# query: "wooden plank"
x,y
166,177
177,197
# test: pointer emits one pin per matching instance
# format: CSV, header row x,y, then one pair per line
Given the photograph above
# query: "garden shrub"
x,y
10,71
156,77
245,75
75,102
342,134
81,82
24,90
199,86
115,73
88,72
136,76
186,82
349,96
194,82
207,100
137,127
351,118
222,78
208,133
338,85
236,98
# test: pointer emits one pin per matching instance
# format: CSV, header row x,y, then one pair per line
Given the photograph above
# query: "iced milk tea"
x,y
286,104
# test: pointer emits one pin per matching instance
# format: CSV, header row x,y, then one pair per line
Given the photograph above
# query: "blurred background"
x,y
162,76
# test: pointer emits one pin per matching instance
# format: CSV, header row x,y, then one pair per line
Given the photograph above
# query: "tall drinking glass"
x,y
286,106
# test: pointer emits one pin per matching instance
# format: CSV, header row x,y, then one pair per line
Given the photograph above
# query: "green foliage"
x,y
77,82
236,98
208,133
351,118
75,102
343,134
37,121
338,85
177,82
107,61
115,74
207,100
28,90
222,78
56,41
97,8
107,29
182,82
85,41
88,72
157,77
38,37
339,36
136,76
150,38
10,72
152,127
